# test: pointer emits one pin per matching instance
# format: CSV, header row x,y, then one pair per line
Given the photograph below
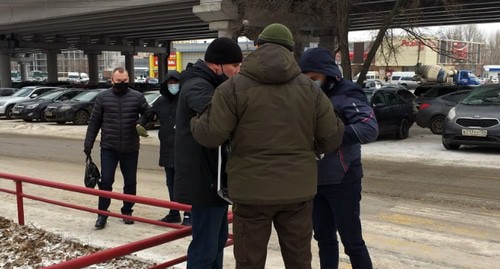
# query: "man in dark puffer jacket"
x,y
337,202
116,113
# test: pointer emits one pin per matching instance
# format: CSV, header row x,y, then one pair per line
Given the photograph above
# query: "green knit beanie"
x,y
276,33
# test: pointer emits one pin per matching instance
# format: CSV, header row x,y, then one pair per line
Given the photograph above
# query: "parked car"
x,y
151,98
76,110
24,94
475,120
7,91
33,109
395,115
407,81
431,114
440,90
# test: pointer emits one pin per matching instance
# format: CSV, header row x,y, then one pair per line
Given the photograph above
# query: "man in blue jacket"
x,y
337,202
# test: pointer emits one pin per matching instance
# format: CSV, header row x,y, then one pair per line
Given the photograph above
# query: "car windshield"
x,y
23,92
50,95
85,96
483,96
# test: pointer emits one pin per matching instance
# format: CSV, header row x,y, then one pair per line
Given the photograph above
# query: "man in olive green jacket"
x,y
276,121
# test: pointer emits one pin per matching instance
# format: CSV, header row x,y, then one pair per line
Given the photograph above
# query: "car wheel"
x,y
42,117
436,124
404,129
8,112
81,118
450,146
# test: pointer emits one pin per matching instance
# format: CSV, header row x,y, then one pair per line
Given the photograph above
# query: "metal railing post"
x,y
20,203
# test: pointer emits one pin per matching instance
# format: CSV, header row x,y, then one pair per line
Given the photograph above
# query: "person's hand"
x,y
87,151
141,130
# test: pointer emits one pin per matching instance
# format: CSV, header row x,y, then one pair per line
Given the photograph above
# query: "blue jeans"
x,y
170,174
128,167
210,233
337,207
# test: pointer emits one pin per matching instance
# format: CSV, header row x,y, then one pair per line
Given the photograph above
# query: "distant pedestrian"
x,y
337,203
195,165
276,119
164,110
115,113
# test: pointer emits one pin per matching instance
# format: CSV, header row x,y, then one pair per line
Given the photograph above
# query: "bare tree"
x,y
491,51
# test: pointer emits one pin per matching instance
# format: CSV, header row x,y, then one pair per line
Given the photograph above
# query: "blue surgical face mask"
x,y
173,88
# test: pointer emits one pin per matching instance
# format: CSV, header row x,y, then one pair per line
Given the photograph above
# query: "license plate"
x,y
474,132
48,113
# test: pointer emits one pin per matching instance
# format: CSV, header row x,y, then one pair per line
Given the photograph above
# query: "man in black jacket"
x,y
116,112
164,110
196,166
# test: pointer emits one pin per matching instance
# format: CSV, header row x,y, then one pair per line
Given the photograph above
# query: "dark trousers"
x,y
337,207
210,233
170,174
128,167
252,226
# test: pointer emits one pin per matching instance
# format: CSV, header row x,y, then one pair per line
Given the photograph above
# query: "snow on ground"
x,y
421,146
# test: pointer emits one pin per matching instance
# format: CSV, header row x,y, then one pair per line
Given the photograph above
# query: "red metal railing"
x,y
108,254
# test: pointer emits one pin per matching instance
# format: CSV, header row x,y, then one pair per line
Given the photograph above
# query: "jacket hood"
x,y
270,64
200,70
319,60
172,74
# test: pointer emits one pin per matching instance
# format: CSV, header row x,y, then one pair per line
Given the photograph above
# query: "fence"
x,y
108,254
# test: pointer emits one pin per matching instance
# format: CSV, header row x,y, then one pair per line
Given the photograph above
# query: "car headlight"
x,y
32,106
65,107
451,114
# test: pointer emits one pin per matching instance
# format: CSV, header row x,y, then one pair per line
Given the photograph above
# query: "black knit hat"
x,y
223,50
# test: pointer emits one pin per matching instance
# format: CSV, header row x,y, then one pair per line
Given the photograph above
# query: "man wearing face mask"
x,y
336,206
164,110
116,112
195,165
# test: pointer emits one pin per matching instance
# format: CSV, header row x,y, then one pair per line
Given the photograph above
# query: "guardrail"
x,y
108,254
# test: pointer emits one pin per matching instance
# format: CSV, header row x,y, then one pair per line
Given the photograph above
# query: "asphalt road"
x,y
414,214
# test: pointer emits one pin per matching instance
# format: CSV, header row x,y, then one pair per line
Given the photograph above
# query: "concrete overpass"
x,y
132,26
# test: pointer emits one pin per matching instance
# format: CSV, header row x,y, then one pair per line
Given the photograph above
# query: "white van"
x,y
404,78
73,77
370,75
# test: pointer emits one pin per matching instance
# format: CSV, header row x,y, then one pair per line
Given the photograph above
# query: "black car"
x,y
431,114
7,91
475,120
76,110
440,90
395,115
33,109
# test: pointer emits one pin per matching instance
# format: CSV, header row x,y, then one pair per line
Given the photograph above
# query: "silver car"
x,y
475,120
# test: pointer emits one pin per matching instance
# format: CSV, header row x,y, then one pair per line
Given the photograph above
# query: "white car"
x,y
24,94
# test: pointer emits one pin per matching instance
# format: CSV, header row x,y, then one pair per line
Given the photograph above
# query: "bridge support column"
x,y
129,65
6,81
52,76
24,70
221,15
92,57
162,66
